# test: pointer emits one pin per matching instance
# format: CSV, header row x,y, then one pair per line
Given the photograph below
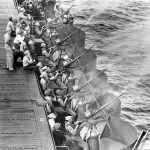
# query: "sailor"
x,y
71,82
31,47
23,45
56,55
80,133
40,66
24,3
22,16
37,29
62,88
19,8
46,35
47,56
18,39
29,6
18,28
49,96
28,62
10,26
19,47
53,124
49,93
42,13
26,29
65,19
44,80
9,50
49,22
55,37
70,19
66,105
57,10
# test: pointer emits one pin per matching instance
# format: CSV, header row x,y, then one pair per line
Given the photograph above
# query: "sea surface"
x,y
120,31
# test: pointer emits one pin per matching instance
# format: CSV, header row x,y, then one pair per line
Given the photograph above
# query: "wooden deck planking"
x,y
23,124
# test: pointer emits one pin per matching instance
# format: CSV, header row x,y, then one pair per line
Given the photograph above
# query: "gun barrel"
x,y
105,105
82,86
70,35
99,110
63,13
139,140
77,57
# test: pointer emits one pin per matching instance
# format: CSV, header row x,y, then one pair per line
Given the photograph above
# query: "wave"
x,y
120,31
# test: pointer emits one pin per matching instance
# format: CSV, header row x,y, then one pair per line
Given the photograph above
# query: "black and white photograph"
x,y
74,74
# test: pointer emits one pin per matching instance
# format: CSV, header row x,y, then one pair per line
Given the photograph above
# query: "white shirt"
x,y
27,61
7,39
22,46
18,39
10,26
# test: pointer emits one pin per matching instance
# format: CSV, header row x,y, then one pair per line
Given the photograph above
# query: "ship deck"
x,y
23,124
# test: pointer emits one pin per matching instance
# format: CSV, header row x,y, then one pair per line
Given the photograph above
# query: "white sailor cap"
x,y
65,16
39,64
65,57
37,24
19,8
68,118
22,9
44,68
43,44
51,116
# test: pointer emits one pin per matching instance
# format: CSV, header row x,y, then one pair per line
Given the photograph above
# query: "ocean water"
x,y
120,31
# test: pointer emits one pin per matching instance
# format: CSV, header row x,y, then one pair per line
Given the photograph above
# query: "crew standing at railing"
x,y
9,50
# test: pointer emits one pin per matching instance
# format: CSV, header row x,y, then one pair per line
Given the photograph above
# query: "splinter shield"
x,y
119,135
